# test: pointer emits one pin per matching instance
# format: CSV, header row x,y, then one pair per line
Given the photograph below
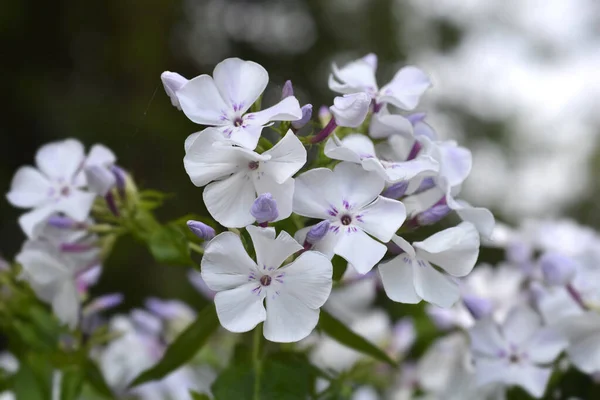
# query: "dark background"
x,y
91,70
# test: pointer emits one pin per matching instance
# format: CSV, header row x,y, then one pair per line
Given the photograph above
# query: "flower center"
x,y
253,165
514,358
65,191
238,121
265,280
346,219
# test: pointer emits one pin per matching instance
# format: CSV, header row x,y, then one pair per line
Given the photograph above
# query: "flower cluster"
x,y
316,231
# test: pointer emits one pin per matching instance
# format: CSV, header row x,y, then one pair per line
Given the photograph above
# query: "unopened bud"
x,y
557,269
350,110
306,116
317,232
120,177
100,180
62,222
172,82
287,90
264,209
201,230
432,215
102,303
479,307
324,115
396,190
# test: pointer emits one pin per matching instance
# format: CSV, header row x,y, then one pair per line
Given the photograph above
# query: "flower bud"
x,y
317,232
100,179
479,307
62,222
201,230
287,90
396,190
324,115
432,215
103,303
264,209
306,115
557,269
120,177
172,82
350,110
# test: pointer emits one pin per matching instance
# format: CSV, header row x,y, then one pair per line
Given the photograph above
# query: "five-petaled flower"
x,y
349,198
293,293
224,99
239,174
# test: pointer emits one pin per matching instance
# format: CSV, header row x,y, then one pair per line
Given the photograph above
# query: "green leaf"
x,y
285,376
71,383
95,378
342,334
199,396
339,267
169,245
184,347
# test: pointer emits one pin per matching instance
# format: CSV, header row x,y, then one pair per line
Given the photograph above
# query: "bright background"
x,y
516,81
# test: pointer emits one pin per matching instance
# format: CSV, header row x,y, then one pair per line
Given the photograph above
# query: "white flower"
x,y
583,334
294,293
350,110
240,174
404,90
97,167
54,187
358,148
222,101
410,277
516,352
349,198
52,277
172,82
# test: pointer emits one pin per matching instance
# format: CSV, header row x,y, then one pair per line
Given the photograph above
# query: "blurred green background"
x,y
516,81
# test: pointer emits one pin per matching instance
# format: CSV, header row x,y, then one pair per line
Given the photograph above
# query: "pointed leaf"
x,y
342,334
95,378
184,347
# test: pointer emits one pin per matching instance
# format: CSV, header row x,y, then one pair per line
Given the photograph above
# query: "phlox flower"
x,y
410,277
293,293
224,99
583,335
349,198
403,91
55,186
515,352
234,175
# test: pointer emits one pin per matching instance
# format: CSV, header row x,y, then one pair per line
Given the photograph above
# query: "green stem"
x,y
196,247
257,362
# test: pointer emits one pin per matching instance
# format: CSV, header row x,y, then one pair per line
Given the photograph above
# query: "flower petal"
x,y
382,218
545,346
585,354
65,304
315,193
520,325
283,194
29,188
397,278
288,320
32,222
454,249
486,338
77,205
202,103
240,82
100,155
355,185
246,135
384,124
324,246
530,377
308,278
359,249
271,252
225,263
287,157
287,109
335,149
405,89
240,309
435,287
41,267
60,160
229,201
356,76
209,157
